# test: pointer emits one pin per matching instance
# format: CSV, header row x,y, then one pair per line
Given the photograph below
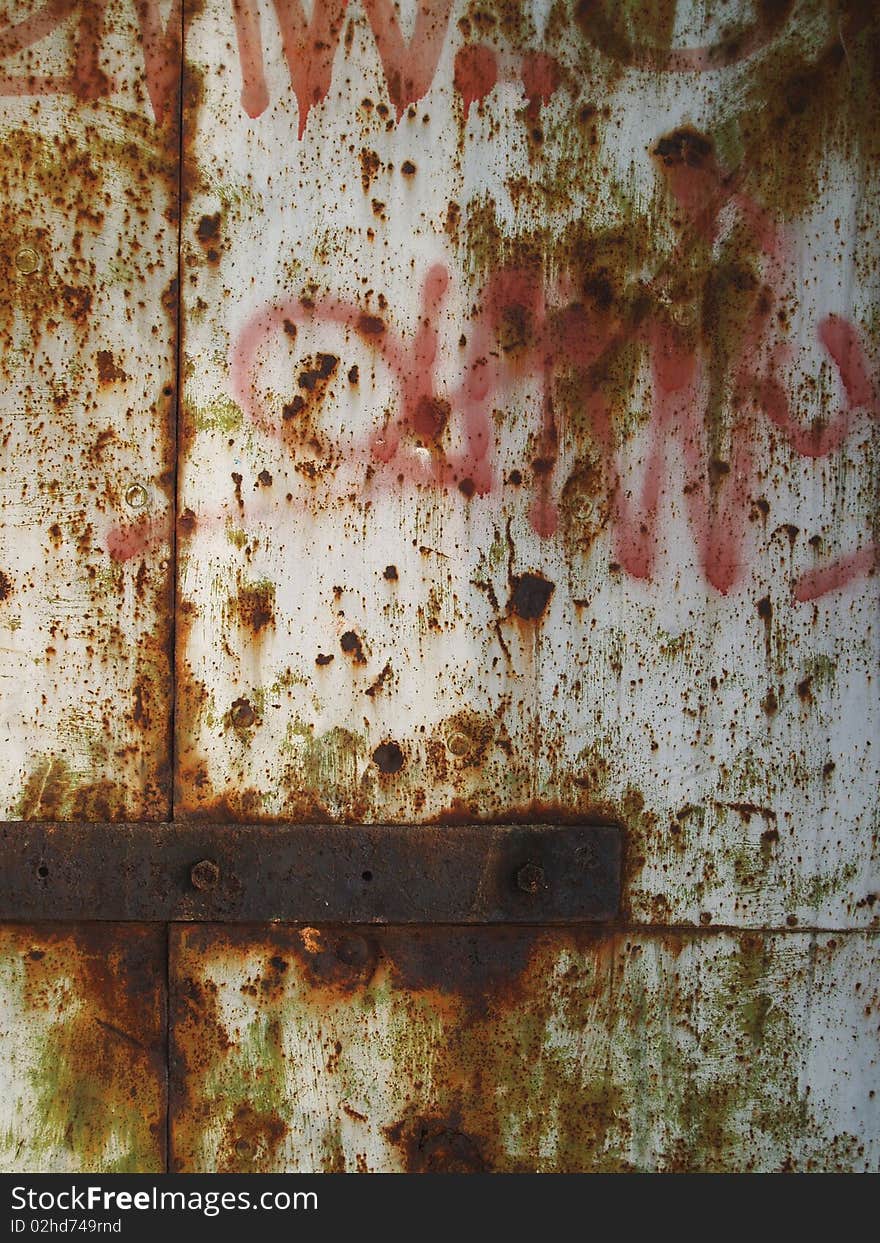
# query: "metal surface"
x,y
307,873
528,456
82,1049
462,1050
527,474
88,306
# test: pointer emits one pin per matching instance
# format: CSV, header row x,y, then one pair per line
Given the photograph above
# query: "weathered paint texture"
x,y
88,267
527,472
529,441
83,1039
456,1050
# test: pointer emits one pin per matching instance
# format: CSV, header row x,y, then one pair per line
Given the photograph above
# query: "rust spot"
x,y
352,646
264,479
769,838
530,595
684,146
804,690
746,810
435,1146
770,703
370,165
252,1135
371,325
169,297
408,168
336,963
390,572
430,417
255,606
388,757
108,369
380,681
326,365
5,586
78,302
321,659
208,233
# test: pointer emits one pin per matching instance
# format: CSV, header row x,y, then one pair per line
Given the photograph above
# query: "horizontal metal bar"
x,y
299,873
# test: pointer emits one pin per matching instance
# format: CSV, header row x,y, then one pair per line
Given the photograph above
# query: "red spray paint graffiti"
x,y
310,44
717,492
160,43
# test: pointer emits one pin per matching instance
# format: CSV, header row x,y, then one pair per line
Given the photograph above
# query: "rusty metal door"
x,y
519,510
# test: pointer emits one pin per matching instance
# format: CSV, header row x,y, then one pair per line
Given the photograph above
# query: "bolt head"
x,y
136,496
458,744
27,260
531,878
242,714
205,875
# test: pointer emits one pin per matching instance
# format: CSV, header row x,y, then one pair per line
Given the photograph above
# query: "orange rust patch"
x,y
109,370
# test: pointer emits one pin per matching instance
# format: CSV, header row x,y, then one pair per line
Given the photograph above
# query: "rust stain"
x,y
531,1049
255,606
99,1094
389,757
530,595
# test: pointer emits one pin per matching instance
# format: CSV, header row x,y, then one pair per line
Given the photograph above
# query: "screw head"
x,y
205,875
136,496
531,878
27,260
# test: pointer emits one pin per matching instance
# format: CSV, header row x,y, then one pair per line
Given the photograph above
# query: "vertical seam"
x,y
178,402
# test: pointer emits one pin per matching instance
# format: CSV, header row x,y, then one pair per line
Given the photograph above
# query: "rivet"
x,y
136,496
530,878
205,874
458,744
27,260
242,714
